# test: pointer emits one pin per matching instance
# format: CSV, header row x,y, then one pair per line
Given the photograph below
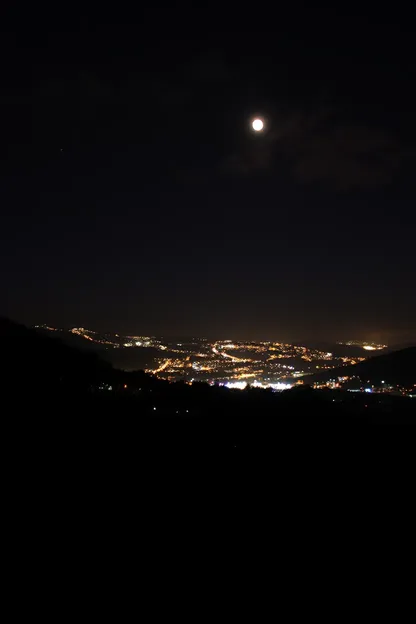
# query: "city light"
x,y
237,385
368,346
236,364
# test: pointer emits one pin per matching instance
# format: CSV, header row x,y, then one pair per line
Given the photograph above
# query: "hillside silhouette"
x,y
398,367
34,360
56,390
126,359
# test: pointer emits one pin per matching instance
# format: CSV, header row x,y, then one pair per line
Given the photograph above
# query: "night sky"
x,y
136,198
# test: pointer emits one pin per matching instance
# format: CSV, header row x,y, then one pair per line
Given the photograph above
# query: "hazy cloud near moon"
x,y
321,148
309,142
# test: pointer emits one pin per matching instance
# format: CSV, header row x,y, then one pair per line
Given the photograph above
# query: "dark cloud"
x,y
321,148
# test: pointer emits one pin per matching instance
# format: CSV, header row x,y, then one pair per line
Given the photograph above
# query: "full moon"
x,y
257,125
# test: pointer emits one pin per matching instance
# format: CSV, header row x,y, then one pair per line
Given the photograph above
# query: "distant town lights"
x,y
233,363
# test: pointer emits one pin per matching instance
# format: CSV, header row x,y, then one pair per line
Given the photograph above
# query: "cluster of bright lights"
x,y
217,360
236,385
275,386
368,346
163,366
80,331
241,385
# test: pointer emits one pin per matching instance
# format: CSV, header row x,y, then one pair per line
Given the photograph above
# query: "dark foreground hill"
x,y
394,368
70,399
83,463
126,359
33,360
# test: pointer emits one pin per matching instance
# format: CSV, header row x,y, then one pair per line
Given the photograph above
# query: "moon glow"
x,y
257,125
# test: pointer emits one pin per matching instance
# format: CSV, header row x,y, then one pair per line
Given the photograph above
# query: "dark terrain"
x,y
398,367
52,387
